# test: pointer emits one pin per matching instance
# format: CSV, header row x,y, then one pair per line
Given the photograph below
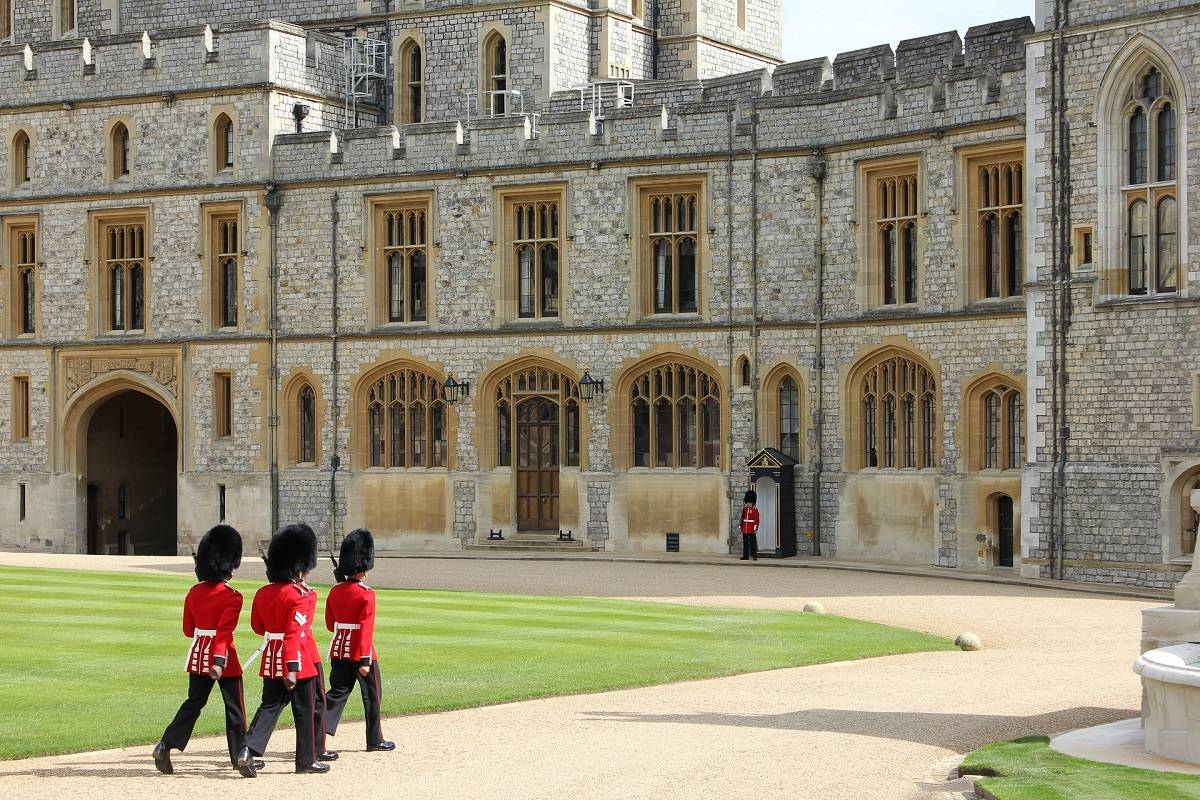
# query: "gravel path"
x,y
869,729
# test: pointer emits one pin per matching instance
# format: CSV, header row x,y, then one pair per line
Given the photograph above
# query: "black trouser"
x,y
303,700
342,676
199,688
750,545
320,708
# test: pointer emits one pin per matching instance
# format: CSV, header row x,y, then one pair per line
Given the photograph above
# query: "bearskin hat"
x,y
293,550
358,554
751,497
219,554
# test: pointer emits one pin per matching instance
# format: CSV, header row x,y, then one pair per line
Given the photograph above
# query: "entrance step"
x,y
543,541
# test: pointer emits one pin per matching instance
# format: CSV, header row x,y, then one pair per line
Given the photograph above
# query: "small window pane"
x,y
641,433
664,429
687,276
417,285
1166,144
1137,247
1138,147
1167,248
549,281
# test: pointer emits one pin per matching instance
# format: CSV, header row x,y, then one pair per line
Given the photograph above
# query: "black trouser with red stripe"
x,y
303,699
342,676
749,546
199,688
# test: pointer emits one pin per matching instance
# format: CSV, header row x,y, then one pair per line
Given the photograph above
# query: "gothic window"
x,y
224,254
402,260
675,410
23,256
1149,185
671,220
20,159
535,247
893,206
66,17
495,74
998,197
119,149
537,381
223,139
123,249
789,417
897,411
406,420
6,19
304,438
743,371
995,421
412,83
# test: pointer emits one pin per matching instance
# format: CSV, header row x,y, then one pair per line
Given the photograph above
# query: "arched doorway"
x,y
1004,531
537,464
130,473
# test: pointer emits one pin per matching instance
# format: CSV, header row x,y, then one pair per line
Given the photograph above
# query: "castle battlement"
x,y
172,61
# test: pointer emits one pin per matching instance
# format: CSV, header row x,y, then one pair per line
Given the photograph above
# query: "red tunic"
x,y
210,616
311,651
278,613
350,614
750,520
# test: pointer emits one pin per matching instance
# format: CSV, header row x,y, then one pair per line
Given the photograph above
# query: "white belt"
x,y
341,626
197,635
268,637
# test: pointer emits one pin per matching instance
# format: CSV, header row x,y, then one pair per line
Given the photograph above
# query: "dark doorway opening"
x,y
1004,531
131,477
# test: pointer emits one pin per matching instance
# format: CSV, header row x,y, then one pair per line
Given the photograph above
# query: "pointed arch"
x,y
304,418
401,419
784,409
21,158
119,148
224,142
893,399
503,388
495,71
411,78
992,422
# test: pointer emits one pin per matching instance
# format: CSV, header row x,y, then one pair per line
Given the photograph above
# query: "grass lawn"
x,y
92,659
1027,769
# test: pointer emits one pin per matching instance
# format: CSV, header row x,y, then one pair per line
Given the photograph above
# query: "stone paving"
x,y
880,728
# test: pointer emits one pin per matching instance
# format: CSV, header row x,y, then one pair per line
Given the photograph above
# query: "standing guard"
x,y
350,614
210,616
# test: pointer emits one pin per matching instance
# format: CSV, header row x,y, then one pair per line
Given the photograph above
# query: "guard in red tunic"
x,y
749,525
313,654
210,616
350,614
280,616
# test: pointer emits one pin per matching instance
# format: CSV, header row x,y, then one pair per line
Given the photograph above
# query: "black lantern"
x,y
589,387
453,391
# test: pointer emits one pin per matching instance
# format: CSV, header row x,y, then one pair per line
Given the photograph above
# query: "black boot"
x,y
316,768
328,755
383,746
162,759
247,763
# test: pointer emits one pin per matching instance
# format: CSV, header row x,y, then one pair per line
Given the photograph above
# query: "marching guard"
x,y
281,615
210,616
350,614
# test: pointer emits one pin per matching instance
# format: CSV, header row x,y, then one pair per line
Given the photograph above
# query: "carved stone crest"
x,y
81,371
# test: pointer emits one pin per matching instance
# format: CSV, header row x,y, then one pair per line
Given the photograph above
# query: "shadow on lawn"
x,y
958,732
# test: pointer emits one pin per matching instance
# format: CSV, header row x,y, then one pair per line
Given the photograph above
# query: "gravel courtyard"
x,y
1052,661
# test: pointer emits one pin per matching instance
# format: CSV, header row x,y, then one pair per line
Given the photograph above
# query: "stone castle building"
x,y
448,267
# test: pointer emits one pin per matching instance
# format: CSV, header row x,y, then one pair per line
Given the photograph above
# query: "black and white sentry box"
x,y
771,476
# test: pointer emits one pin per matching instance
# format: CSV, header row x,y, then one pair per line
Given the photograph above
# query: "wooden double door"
x,y
537,464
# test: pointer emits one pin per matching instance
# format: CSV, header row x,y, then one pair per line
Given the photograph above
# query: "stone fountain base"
x,y
1171,684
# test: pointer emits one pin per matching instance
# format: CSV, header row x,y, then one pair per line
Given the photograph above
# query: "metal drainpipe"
x,y
334,408
818,416
273,200
654,45
754,432
728,287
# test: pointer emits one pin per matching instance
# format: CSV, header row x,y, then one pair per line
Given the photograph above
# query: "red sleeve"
x,y
366,635
757,519
329,610
292,643
189,623
256,621
227,625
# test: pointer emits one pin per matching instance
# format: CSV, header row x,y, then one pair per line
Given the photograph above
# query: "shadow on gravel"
x,y
959,732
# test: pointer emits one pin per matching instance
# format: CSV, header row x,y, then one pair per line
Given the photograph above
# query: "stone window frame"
x,y
213,217
361,457
375,247
637,10
741,373
641,192
506,285
21,151
622,422
21,414
770,405
223,405
406,83
99,222
491,77
999,159
741,14
1083,247
1117,99
223,148
1003,387
302,379
61,12
16,259
872,174
7,20
117,158
856,425
1180,471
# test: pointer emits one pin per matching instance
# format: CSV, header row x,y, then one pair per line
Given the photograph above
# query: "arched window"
x,y
1189,520
743,371
20,159
896,407
993,408
412,83
406,420
998,198
223,139
402,244
119,144
1149,184
554,396
304,438
789,417
495,75
675,409
535,253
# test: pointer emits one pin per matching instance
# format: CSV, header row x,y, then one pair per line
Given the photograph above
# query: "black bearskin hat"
x,y
751,496
219,554
293,550
358,554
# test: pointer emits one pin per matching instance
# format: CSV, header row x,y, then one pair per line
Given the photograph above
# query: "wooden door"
x,y
1004,532
537,465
